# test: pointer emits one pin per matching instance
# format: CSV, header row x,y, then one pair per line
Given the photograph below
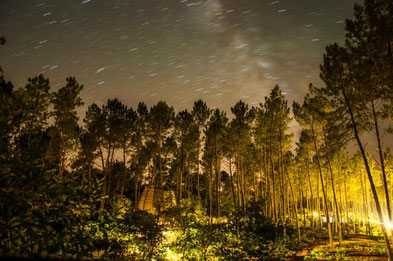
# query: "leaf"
x,y
18,242
12,220
35,249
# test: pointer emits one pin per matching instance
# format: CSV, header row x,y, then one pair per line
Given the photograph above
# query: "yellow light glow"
x,y
389,225
315,214
169,236
173,256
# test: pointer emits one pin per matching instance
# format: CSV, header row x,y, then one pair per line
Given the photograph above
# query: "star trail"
x,y
178,51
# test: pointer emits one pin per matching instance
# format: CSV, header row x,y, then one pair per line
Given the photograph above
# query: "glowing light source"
x,y
389,225
315,214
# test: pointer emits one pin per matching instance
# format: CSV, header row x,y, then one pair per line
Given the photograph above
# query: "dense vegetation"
x,y
242,189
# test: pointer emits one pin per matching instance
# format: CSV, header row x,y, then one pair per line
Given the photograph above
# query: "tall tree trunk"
x,y
123,178
136,183
232,185
295,204
273,191
244,192
311,195
323,188
218,193
370,177
380,152
89,176
238,181
211,195
102,204
318,201
338,220
302,197
346,201
180,197
198,184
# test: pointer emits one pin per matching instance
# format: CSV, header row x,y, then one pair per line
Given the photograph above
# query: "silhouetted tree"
x,y
160,121
201,113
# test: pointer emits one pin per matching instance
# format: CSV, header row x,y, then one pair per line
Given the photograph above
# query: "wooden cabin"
x,y
151,199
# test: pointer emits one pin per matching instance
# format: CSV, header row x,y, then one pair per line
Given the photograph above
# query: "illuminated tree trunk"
x,y
105,173
323,189
232,182
123,178
244,191
370,177
311,195
136,190
218,193
318,202
338,221
198,183
346,200
302,197
365,216
295,204
382,161
238,181
273,190
210,195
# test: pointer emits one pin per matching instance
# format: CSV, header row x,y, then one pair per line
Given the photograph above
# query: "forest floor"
x,y
354,247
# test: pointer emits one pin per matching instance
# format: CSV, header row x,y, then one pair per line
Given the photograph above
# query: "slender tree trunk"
x,y
211,195
198,184
180,197
238,181
365,208
273,191
346,201
136,181
370,177
380,152
102,204
318,201
323,188
89,176
244,192
137,171
338,221
295,204
180,187
123,178
302,197
232,185
311,195
218,195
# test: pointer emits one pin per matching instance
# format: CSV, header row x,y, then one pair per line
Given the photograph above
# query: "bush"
x,y
251,237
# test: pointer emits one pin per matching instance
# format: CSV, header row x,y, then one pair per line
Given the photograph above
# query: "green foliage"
x,y
60,217
254,237
194,237
147,233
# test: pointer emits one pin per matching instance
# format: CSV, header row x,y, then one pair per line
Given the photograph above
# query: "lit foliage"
x,y
252,237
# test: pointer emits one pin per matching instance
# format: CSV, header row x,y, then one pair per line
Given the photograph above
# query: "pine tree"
x,y
201,114
160,121
65,103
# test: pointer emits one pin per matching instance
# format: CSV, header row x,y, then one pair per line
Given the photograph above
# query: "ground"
x,y
354,247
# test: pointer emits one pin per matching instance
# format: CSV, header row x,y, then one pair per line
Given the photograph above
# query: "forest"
x,y
238,185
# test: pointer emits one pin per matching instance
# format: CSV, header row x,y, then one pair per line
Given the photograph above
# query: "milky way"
x,y
178,51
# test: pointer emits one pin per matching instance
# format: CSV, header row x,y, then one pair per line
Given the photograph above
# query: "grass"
x,y
354,248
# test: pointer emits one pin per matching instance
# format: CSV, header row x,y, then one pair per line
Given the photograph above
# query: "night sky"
x,y
177,51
